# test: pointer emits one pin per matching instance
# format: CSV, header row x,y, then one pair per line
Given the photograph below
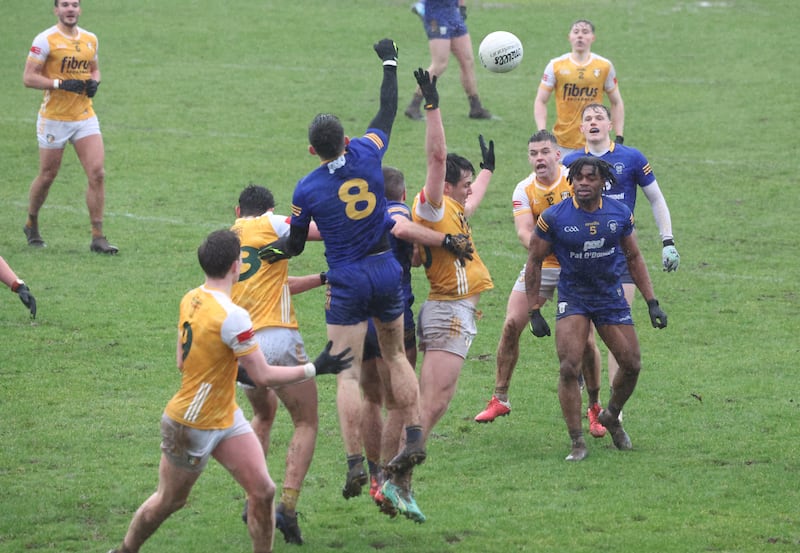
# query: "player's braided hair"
x,y
603,169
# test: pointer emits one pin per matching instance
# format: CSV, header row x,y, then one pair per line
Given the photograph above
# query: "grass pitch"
x,y
200,98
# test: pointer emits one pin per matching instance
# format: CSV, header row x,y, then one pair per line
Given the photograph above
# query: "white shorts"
x,y
54,135
282,346
447,326
548,285
190,448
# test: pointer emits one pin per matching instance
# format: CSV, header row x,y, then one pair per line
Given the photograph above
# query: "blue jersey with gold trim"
x,y
346,198
631,169
586,245
403,250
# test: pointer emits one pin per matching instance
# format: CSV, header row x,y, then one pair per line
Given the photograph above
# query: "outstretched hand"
x,y
487,154
427,85
386,50
325,363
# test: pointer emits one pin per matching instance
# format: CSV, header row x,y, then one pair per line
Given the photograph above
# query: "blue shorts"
x,y
368,288
605,312
444,22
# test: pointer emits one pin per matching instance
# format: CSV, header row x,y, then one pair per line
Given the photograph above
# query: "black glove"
x,y
244,379
73,85
276,251
463,11
325,363
539,326
460,246
386,50
27,298
91,87
427,85
619,139
657,316
487,154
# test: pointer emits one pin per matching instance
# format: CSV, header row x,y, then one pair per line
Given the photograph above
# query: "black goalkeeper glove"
x,y
487,154
276,251
463,11
26,297
538,325
325,363
387,51
91,87
72,85
460,246
427,86
657,316
619,139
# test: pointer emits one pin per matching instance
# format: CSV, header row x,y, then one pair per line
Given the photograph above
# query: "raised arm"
x,y
481,183
384,119
435,144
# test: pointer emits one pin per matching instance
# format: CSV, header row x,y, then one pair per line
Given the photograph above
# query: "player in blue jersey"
x,y
345,198
446,28
372,427
631,172
587,235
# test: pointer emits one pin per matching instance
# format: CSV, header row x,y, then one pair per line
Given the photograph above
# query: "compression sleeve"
x,y
384,119
660,210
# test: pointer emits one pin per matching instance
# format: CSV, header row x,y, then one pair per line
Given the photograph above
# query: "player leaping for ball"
x,y
345,197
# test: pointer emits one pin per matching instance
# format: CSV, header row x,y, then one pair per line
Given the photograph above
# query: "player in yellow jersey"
x,y
202,419
578,78
547,185
63,62
265,290
447,318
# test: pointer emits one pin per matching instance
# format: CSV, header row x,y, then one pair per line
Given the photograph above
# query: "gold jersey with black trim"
x,y
448,279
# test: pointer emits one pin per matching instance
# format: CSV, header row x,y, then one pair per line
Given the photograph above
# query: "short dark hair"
x,y
218,252
255,200
394,183
326,135
597,106
456,164
589,23
543,136
603,169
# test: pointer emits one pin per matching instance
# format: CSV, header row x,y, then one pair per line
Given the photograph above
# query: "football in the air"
x,y
500,52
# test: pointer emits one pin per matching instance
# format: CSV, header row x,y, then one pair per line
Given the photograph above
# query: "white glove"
x,y
670,258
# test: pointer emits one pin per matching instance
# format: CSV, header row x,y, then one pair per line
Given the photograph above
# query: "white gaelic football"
x,y
500,52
